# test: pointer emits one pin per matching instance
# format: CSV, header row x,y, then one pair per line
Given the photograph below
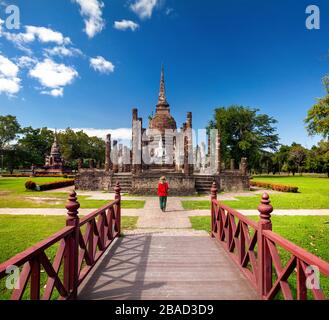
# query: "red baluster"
x,y
117,191
214,192
264,256
71,272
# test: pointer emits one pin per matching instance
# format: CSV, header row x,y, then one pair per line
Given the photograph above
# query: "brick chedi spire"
x,y
162,102
162,119
55,149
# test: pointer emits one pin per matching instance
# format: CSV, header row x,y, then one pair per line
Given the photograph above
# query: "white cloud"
x,y
63,51
53,75
121,134
26,62
125,24
91,10
101,65
9,81
144,8
46,35
31,34
54,92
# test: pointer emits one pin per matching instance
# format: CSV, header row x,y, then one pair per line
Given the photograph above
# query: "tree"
x,y
9,128
323,155
36,143
317,119
297,158
245,133
77,145
280,158
13,158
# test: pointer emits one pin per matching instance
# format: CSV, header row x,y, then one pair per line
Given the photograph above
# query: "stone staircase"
x,y
203,184
125,182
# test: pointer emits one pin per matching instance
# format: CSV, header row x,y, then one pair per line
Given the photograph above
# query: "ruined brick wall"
x,y
234,181
179,185
94,180
146,184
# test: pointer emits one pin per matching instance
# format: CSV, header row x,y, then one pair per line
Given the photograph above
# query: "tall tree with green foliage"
x,y
9,129
245,133
297,158
77,145
36,143
317,119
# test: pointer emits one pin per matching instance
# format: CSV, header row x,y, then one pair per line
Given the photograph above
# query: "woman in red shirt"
x,y
163,189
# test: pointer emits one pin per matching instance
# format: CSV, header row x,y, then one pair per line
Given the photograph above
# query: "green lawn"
x,y
310,233
313,194
17,233
14,195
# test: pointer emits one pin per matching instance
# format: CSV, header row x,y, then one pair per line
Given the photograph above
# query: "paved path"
x,y
161,267
157,214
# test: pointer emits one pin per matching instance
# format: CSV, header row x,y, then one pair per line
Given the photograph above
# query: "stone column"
x,y
244,166
218,153
120,157
186,164
80,164
125,159
189,126
108,161
136,154
232,164
115,156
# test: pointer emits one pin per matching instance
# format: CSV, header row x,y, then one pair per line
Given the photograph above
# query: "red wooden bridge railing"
x,y
80,245
256,249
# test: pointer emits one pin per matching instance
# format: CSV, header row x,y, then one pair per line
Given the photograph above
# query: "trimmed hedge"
x,y
274,186
56,185
64,176
30,185
15,175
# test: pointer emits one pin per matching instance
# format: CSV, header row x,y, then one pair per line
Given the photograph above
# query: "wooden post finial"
x,y
117,190
265,209
214,191
72,206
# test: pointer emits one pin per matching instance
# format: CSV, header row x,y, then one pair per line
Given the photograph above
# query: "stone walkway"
x,y
152,217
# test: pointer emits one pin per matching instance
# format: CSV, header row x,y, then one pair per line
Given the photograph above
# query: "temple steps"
x,y
203,184
125,182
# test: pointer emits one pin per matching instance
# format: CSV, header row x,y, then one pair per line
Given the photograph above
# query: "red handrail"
x,y
77,253
257,255
298,252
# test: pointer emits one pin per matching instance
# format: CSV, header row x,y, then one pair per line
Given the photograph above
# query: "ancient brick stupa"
x,y
55,160
162,119
172,154
54,163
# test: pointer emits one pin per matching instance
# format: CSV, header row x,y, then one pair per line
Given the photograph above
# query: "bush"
x,y
16,175
30,185
56,184
274,186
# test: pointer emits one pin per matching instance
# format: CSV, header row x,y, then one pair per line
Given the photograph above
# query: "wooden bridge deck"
x,y
166,267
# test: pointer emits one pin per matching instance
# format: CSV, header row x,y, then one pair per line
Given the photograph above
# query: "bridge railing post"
x,y
214,192
71,257
117,191
264,256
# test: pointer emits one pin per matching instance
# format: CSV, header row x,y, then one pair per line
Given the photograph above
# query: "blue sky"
x,y
216,53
